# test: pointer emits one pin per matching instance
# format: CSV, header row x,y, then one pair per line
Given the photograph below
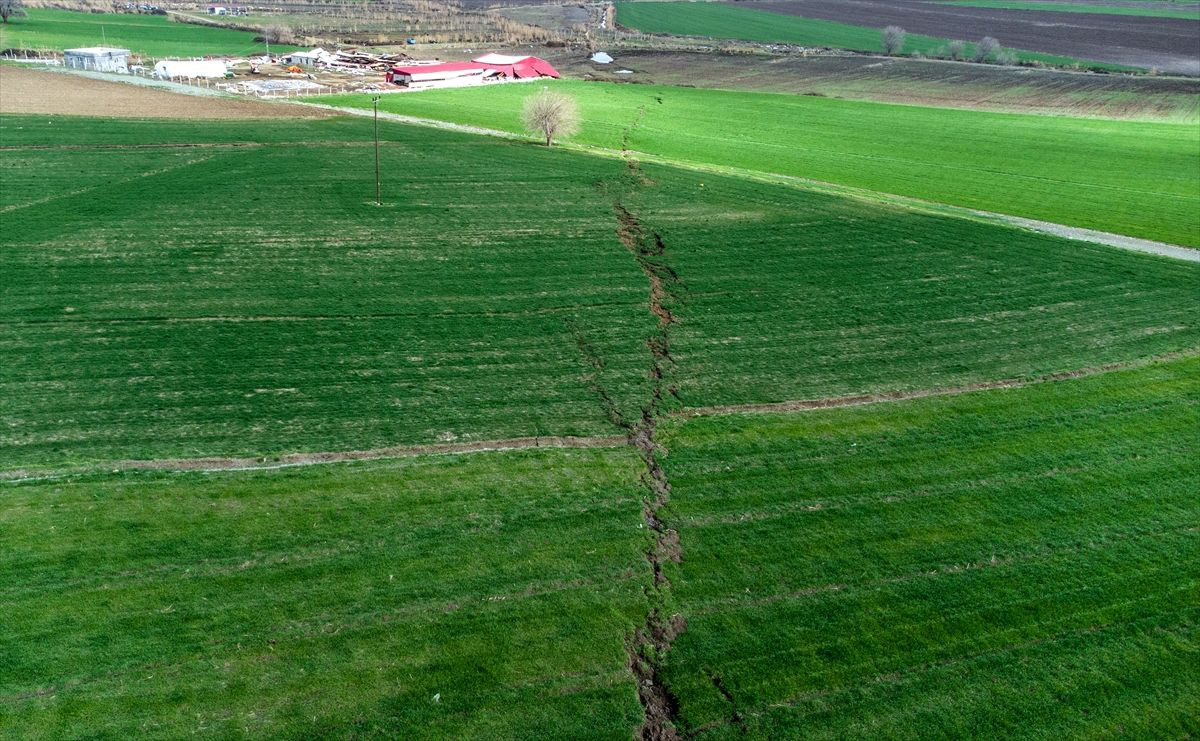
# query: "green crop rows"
x,y
721,21
150,35
1013,563
1038,167
485,596
244,296
1006,562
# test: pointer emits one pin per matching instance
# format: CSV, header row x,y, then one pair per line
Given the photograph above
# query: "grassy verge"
x,y
149,35
722,21
484,596
1034,166
1022,562
244,296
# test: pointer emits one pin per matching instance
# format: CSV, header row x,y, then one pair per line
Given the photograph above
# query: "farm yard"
x,y
754,407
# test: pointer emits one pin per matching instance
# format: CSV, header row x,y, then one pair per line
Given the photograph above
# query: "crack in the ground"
x,y
648,645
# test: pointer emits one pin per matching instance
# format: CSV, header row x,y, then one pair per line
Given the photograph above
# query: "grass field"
x,y
148,35
408,598
1034,166
722,21
1155,11
1005,562
142,319
1015,563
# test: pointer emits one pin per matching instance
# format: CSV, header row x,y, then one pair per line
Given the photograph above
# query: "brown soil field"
x,y
1170,44
35,91
918,82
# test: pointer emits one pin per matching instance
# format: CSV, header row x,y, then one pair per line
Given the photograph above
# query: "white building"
x,y
169,68
308,58
101,58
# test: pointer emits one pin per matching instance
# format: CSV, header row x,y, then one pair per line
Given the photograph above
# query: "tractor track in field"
x,y
831,402
216,464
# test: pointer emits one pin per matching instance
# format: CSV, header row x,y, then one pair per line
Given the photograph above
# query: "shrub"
x,y
893,40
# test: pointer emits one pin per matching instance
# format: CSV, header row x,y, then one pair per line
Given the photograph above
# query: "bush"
x,y
987,47
958,50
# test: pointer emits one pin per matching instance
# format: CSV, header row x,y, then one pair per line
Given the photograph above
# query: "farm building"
x,y
101,58
188,68
488,68
309,58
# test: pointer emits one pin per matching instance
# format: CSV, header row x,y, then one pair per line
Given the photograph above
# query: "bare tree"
x,y
11,9
893,40
987,47
278,34
958,50
551,114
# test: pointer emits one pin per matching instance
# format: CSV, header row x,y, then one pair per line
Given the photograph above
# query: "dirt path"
x,y
1090,235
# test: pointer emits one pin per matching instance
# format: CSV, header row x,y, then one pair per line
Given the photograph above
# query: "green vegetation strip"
x,y
179,289
722,21
1070,7
1021,562
149,35
486,596
1037,167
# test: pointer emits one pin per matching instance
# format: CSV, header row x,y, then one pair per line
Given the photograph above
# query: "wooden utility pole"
x,y
375,103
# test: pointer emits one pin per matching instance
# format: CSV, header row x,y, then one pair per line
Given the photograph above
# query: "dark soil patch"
x,y
1170,44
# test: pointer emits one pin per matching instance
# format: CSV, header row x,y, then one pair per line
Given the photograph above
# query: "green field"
x,y
722,21
326,602
142,319
148,35
1020,562
1069,7
1038,167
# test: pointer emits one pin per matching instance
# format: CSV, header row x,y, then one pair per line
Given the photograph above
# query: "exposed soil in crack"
x,y
649,644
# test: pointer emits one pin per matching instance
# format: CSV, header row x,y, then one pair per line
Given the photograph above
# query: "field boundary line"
x,y
217,464
833,402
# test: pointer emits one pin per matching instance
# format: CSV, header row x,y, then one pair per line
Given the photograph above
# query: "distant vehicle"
x,y
410,42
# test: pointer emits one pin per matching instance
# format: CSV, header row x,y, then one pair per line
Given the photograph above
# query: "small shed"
x,y
100,58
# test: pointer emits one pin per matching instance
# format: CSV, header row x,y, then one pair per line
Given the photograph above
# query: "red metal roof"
x,y
527,67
